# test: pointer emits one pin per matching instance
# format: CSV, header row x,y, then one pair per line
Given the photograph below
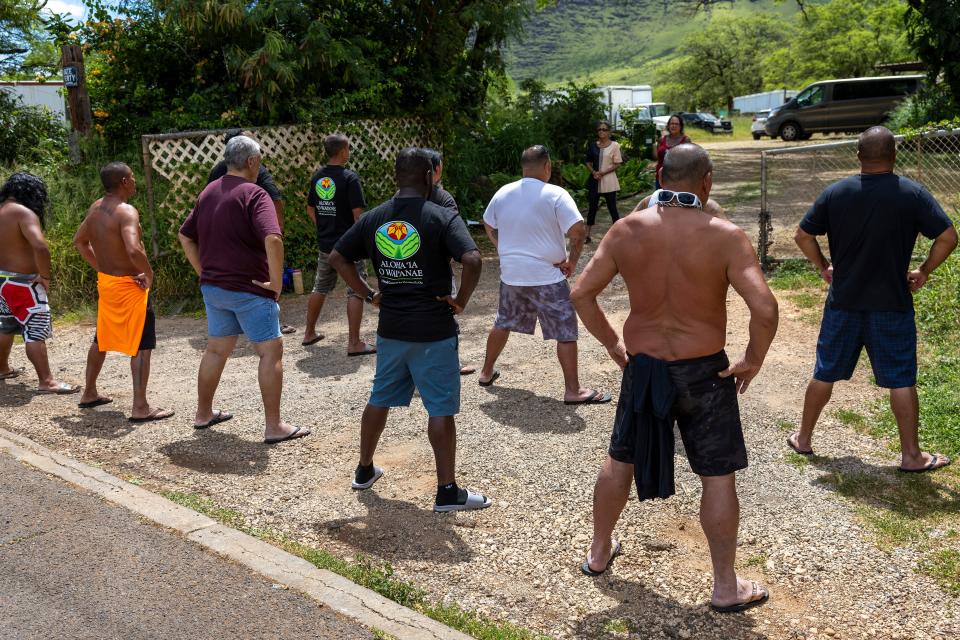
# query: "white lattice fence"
x,y
177,165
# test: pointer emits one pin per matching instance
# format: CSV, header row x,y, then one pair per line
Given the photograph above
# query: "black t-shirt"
x,y
410,242
872,222
442,197
264,179
334,193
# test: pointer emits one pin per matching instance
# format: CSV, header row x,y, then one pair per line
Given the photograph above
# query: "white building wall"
x,y
47,94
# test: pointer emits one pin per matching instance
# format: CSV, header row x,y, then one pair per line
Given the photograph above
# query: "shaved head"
x,y
112,175
685,165
877,145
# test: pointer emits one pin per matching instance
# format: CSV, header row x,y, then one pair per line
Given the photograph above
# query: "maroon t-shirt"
x,y
230,221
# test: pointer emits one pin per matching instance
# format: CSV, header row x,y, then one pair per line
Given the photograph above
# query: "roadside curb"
x,y
325,587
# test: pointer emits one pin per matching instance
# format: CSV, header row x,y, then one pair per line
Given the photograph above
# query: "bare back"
x,y
17,223
108,221
676,263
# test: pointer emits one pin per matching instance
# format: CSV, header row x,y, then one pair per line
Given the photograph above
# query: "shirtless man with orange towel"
x,y
110,240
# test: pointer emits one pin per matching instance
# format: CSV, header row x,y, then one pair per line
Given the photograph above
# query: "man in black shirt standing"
x,y
334,202
871,221
410,242
264,181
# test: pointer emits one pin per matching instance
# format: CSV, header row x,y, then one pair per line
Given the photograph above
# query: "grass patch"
x,y
758,561
617,627
795,274
850,418
786,425
799,461
944,566
365,572
379,634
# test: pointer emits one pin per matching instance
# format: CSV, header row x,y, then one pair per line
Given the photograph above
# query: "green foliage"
x,y
733,56
180,64
19,23
723,60
933,26
944,566
29,134
933,105
634,177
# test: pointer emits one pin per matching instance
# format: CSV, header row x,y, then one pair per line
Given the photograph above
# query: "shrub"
x,y
932,104
29,134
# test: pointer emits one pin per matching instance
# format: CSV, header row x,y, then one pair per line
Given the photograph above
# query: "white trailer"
x,y
762,101
619,97
41,94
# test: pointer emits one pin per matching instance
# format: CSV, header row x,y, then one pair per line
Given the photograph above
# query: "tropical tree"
x,y
19,22
933,28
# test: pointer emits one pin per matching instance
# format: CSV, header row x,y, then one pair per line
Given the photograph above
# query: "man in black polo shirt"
x,y
334,202
871,221
410,242
264,181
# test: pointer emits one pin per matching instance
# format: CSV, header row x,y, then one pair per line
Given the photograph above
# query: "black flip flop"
x,y
293,435
153,417
931,466
604,398
798,449
13,373
218,417
493,378
587,571
743,606
365,352
95,403
307,343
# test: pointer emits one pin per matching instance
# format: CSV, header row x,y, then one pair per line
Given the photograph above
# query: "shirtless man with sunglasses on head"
x,y
678,263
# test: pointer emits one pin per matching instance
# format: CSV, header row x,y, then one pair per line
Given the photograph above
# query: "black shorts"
x,y
148,339
705,410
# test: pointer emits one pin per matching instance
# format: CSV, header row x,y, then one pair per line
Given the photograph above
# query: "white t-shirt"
x,y
532,219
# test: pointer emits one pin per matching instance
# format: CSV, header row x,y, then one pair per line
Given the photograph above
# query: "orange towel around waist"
x,y
121,313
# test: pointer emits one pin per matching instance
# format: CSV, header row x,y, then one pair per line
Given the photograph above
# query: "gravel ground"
x,y
537,459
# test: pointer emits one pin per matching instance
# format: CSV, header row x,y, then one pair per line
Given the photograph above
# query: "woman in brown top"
x,y
603,159
673,137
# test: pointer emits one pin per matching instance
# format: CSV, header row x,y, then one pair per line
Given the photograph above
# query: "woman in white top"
x,y
603,159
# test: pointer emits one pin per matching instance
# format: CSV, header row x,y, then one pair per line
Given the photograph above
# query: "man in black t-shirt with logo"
x,y
334,202
872,221
410,242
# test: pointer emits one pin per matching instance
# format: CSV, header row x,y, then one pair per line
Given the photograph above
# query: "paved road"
x,y
74,566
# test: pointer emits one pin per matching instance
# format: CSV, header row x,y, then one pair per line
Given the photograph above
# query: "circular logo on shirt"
x,y
326,188
398,240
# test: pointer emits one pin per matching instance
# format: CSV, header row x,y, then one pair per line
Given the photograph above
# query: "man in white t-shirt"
x,y
529,221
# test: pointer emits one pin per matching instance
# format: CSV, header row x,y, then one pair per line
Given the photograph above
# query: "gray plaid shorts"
x,y
326,280
521,307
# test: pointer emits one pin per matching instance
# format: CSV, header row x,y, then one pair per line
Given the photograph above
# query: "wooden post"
x,y
75,79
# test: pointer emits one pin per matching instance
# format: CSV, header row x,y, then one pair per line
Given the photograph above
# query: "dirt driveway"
x,y
537,459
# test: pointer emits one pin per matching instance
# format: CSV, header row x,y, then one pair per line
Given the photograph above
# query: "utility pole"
x,y
78,100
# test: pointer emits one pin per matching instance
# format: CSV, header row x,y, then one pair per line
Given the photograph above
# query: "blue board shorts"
x,y
433,368
889,336
230,313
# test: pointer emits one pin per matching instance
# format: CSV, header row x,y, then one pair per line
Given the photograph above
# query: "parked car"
x,y
759,120
706,121
840,106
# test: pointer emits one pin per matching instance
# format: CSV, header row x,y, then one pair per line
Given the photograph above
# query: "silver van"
x,y
840,106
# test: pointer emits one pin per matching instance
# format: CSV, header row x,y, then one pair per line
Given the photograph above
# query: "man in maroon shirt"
x,y
233,240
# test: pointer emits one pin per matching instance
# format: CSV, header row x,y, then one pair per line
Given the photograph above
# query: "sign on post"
x,y
71,77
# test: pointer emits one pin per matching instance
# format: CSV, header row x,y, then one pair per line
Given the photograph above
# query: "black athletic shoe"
x,y
364,477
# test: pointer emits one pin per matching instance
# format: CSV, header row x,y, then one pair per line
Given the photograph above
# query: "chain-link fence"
x,y
792,178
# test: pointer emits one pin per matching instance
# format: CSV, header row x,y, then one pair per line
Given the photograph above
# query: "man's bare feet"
x,y
12,373
467,369
749,594
803,448
150,415
608,549
91,400
924,462
283,432
311,337
587,396
58,388
361,349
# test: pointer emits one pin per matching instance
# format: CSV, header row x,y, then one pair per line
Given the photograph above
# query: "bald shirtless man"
x,y
25,279
110,240
678,263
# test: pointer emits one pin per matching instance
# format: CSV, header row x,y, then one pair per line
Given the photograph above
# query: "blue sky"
x,y
72,7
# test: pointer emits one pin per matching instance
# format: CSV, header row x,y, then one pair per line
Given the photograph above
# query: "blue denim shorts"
x,y
433,368
230,313
889,336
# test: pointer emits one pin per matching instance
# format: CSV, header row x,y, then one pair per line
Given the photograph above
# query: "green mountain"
x,y
614,41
